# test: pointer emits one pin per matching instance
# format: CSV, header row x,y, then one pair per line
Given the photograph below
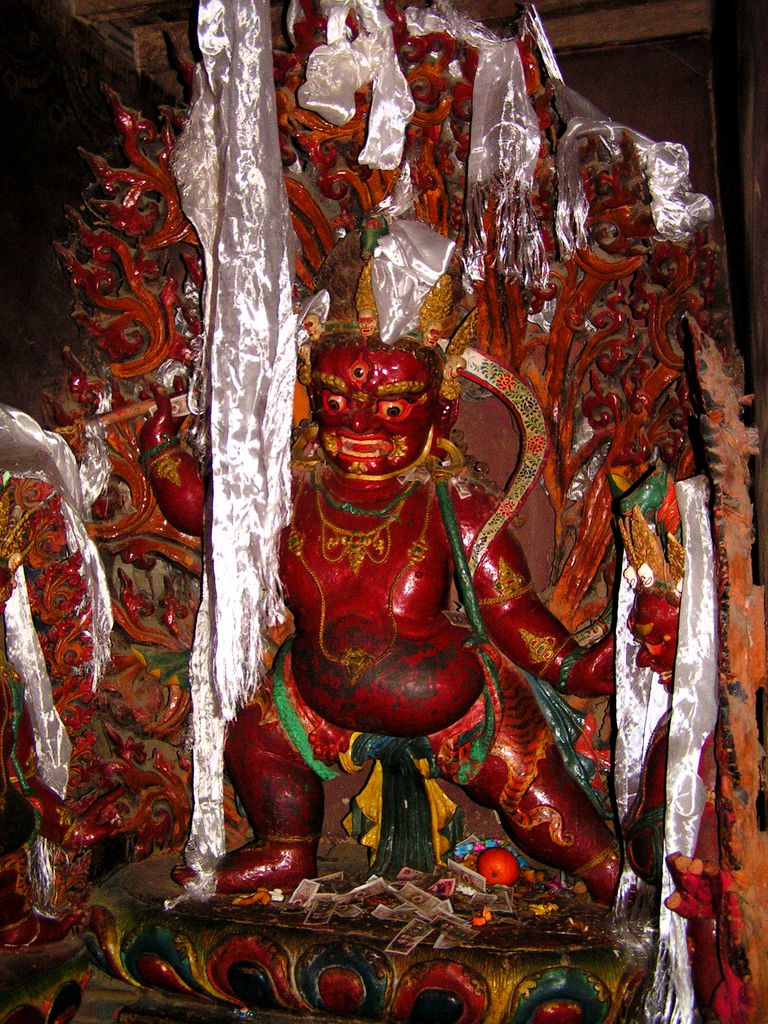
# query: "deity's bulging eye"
x,y
393,410
334,403
360,371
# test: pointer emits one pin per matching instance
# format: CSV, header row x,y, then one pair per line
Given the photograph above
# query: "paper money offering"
x,y
467,876
322,908
304,893
409,937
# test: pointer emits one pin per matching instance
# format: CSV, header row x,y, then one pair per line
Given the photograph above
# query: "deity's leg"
x,y
542,808
283,801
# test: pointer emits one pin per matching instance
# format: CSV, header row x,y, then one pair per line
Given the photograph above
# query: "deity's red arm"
x,y
519,623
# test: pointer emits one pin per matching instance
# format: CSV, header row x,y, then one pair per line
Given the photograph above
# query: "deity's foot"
x,y
37,930
260,865
601,876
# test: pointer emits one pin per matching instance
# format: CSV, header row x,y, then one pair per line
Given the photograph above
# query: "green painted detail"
x,y
169,442
480,739
169,667
652,822
16,687
164,944
290,720
561,984
567,725
405,832
355,510
480,745
463,575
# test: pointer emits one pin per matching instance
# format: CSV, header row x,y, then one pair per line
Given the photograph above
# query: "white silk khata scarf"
x,y
230,175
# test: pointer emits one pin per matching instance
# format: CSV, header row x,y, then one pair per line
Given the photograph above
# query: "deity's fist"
x,y
101,821
328,742
589,673
172,471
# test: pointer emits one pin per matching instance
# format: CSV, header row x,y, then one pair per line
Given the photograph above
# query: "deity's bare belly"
x,y
371,677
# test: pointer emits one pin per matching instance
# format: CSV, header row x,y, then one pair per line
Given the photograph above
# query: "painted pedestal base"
x,y
45,985
265,960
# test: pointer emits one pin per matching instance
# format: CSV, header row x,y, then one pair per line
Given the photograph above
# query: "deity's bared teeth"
x,y
364,447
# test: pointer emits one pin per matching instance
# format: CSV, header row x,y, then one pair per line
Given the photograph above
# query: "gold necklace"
x,y
356,545
355,660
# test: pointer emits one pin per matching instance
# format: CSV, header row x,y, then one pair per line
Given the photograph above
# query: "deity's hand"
x,y
698,887
654,622
173,472
328,742
589,673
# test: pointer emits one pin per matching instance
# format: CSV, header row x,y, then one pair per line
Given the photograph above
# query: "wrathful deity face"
x,y
313,326
374,406
433,332
653,622
368,322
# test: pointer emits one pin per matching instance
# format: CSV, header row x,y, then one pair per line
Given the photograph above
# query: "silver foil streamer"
x,y
52,744
42,873
677,212
535,26
407,262
401,199
26,450
336,70
504,147
230,175
95,465
694,715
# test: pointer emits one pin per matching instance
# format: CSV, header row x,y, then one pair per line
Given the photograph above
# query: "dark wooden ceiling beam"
x,y
138,12
585,24
570,24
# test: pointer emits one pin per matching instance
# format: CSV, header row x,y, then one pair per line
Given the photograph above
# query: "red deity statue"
x,y
376,669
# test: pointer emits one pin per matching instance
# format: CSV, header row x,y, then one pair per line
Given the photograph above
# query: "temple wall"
x,y
661,89
50,104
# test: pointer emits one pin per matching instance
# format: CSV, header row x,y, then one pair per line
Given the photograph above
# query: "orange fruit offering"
x,y
498,866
